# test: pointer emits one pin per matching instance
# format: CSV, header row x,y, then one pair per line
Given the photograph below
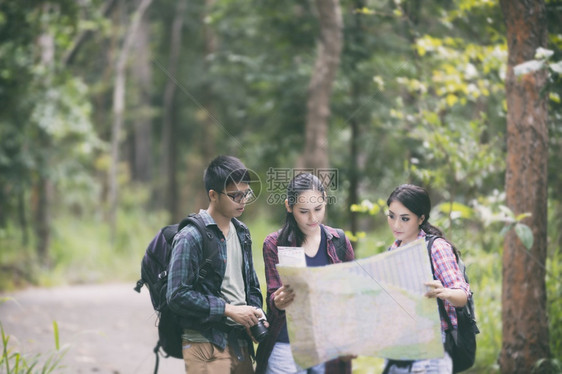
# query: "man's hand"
x,y
245,315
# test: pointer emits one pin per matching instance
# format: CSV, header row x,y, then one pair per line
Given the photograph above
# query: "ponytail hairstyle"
x,y
299,184
416,199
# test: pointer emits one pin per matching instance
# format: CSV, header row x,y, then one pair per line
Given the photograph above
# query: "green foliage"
x,y
78,244
81,247
553,283
547,366
14,362
422,83
484,270
45,127
554,296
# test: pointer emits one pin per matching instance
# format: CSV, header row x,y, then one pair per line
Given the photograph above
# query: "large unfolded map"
x,y
373,307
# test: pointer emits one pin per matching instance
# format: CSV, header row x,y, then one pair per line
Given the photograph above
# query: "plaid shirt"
x,y
447,271
198,302
275,316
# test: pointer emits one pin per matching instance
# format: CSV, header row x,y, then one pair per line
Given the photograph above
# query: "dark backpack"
x,y
154,274
460,343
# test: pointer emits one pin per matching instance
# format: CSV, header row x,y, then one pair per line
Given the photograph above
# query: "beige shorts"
x,y
203,358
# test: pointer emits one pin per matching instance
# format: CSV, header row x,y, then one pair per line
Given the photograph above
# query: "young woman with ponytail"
x,y
306,207
408,218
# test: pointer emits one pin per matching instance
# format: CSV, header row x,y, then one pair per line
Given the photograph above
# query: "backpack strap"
x,y
340,244
169,232
210,249
429,239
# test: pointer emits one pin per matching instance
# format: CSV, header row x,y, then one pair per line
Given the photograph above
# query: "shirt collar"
x,y
396,243
207,219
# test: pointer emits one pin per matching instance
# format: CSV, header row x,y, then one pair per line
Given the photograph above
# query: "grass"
x,y
14,362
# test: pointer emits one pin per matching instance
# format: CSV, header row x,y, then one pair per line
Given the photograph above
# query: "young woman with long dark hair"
x,y
306,207
409,209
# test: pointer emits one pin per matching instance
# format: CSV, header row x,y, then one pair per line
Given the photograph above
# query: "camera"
x,y
259,331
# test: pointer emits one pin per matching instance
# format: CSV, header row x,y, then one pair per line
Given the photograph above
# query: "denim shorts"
x,y
432,366
281,362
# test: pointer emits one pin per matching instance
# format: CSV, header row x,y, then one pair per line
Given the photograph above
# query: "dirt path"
x,y
107,328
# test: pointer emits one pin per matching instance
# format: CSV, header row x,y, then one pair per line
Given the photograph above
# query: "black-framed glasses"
x,y
239,196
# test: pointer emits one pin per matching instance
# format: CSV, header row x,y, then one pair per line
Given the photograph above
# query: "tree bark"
x,y
525,321
209,145
329,47
207,117
42,214
355,33
142,130
118,110
22,218
169,143
46,45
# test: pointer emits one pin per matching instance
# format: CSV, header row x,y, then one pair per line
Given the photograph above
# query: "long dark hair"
x,y
300,183
416,199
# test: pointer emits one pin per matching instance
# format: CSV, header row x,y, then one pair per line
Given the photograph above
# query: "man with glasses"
x,y
217,310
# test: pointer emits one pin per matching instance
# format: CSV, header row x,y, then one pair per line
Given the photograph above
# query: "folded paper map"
x,y
291,256
372,307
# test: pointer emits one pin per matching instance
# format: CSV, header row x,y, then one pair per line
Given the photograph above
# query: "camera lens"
x,y
259,331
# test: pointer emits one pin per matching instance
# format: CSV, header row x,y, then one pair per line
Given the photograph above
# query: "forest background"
x,y
110,110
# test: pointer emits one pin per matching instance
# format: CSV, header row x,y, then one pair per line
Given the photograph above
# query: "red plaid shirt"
x,y
275,316
446,270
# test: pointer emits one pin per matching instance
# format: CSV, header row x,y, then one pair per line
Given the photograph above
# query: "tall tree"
x,y
525,321
329,47
355,53
208,144
169,142
42,188
119,109
142,130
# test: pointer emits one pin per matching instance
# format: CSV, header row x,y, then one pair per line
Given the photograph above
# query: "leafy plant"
x,y
18,363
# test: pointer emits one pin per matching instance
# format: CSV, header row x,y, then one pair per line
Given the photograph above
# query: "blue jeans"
x,y
433,366
281,362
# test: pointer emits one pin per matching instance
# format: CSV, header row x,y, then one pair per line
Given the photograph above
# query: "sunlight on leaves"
x,y
528,67
525,234
556,67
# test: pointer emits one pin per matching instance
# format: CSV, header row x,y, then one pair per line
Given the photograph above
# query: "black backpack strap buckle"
x,y
139,285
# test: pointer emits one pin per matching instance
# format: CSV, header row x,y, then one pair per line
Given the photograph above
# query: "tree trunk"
x,y
209,122
355,33
46,45
142,130
168,168
42,213
207,115
118,110
329,47
525,321
354,178
22,218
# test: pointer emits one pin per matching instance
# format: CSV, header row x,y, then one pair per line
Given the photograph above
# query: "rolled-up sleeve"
x,y
182,297
448,272
271,259
446,268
